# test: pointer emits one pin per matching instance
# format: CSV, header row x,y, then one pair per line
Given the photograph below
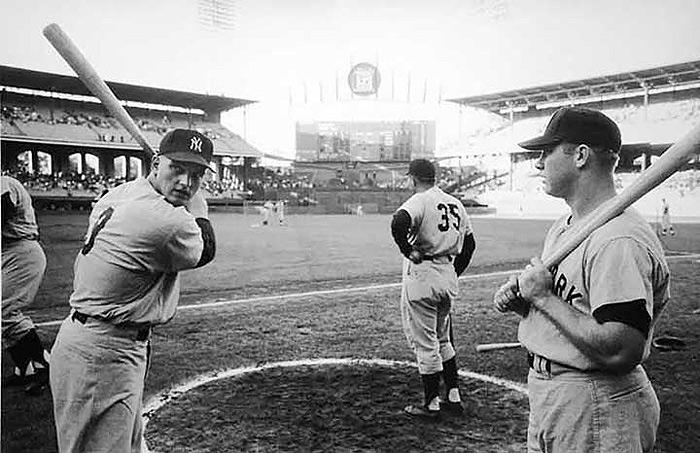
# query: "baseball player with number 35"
x,y
140,235
588,322
433,232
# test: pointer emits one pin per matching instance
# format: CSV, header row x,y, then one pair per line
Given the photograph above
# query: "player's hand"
x,y
415,256
507,296
197,206
535,282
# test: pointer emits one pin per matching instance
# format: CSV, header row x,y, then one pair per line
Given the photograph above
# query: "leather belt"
x,y
543,364
142,333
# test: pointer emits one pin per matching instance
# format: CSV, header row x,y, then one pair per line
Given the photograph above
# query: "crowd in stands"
x,y
106,127
64,184
26,114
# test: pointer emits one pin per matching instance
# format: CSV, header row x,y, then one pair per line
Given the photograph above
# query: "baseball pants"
x,y
23,266
97,378
427,293
575,411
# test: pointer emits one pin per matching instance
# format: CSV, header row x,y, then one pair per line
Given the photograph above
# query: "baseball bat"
x,y
669,162
496,346
82,67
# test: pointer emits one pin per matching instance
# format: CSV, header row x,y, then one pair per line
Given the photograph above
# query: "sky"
x,y
447,48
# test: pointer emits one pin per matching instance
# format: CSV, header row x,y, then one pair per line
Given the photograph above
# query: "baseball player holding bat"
x,y
140,235
23,265
434,234
587,323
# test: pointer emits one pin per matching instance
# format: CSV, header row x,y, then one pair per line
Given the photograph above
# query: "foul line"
x,y
159,400
299,295
326,292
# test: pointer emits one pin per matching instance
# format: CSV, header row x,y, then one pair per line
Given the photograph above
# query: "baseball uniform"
x,y
433,232
267,212
140,235
23,265
666,226
619,265
280,212
439,224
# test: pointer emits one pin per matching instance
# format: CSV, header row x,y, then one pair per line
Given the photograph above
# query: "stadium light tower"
x,y
217,14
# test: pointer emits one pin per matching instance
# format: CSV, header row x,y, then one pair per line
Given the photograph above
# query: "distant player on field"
x,y
280,212
268,206
140,235
587,324
666,225
433,233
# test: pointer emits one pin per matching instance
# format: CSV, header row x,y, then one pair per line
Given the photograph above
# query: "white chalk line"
x,y
326,292
159,400
279,297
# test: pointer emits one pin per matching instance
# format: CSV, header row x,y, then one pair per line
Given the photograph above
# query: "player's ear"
x,y
155,161
582,154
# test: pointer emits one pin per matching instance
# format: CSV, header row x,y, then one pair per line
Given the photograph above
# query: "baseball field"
x,y
291,340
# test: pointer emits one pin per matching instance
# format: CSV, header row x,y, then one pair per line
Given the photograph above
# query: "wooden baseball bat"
x,y
669,162
496,346
82,67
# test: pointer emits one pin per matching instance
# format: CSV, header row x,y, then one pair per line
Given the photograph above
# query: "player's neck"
x,y
590,194
418,188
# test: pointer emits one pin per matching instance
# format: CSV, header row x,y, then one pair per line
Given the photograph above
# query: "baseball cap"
x,y
422,169
185,145
577,125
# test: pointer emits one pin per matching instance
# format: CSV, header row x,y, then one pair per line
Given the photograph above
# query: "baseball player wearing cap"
x,y
140,235
587,324
434,234
23,265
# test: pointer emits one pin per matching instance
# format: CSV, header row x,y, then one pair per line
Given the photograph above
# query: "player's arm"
x,y
192,242
208,241
400,226
465,256
613,336
198,207
8,207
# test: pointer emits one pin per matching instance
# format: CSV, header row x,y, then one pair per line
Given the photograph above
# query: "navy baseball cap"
x,y
422,169
577,125
185,145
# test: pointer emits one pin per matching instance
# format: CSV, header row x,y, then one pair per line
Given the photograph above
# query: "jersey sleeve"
x,y
467,223
619,272
415,208
184,247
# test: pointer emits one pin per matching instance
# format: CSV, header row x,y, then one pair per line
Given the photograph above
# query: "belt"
x,y
543,364
142,333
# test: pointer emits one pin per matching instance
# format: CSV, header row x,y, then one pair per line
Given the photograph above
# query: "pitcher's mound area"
x,y
336,408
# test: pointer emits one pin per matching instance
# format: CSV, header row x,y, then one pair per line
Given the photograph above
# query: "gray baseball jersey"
x,y
620,262
439,222
22,224
127,270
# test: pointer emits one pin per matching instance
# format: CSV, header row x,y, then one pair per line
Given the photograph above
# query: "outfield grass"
x,y
340,406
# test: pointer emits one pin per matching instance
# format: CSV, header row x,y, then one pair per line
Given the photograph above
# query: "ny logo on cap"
x,y
196,144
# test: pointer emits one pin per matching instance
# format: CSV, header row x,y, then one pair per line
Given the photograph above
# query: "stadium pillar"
x,y
512,166
35,161
127,166
646,99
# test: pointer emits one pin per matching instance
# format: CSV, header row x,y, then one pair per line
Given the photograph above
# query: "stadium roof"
x,y
58,83
623,85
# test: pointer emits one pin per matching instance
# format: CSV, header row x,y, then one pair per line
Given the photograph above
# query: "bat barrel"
x,y
88,75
